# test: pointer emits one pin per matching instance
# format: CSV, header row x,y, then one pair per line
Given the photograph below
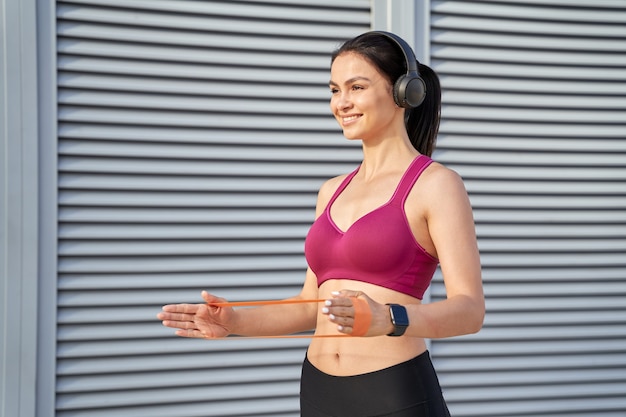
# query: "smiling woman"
x,y
380,232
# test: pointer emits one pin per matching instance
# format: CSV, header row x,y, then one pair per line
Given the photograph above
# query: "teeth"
x,y
348,119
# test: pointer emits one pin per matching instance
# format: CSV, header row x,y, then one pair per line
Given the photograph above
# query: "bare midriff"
x,y
345,356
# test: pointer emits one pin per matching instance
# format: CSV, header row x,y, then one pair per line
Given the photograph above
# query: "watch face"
x,y
399,316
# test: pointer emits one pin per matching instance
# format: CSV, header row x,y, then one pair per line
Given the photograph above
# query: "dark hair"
x,y
422,122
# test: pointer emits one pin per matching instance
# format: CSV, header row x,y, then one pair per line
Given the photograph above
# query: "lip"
x,y
349,119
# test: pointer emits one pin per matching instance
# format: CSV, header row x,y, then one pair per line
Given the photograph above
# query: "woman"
x,y
379,234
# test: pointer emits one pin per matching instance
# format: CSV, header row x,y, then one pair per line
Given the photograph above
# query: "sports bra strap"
x,y
419,164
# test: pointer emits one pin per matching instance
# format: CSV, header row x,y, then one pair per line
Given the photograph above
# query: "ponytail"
x,y
423,121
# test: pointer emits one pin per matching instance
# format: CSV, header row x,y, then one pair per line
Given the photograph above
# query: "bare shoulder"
x,y
444,188
441,179
326,191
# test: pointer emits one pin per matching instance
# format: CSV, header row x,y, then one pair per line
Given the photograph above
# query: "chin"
x,y
351,136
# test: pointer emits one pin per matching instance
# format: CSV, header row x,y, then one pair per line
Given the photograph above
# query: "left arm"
x,y
451,228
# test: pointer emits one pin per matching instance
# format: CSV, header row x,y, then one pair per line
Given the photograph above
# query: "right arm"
x,y
206,321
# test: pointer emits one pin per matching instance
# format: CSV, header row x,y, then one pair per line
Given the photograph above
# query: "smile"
x,y
350,119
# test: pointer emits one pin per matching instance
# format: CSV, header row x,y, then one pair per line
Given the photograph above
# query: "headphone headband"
x,y
407,51
409,90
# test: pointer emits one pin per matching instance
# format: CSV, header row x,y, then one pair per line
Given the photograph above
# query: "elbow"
x,y
477,317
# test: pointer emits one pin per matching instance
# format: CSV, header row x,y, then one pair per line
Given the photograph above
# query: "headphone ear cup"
x,y
409,91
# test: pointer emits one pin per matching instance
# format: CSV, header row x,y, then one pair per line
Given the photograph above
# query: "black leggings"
x,y
409,389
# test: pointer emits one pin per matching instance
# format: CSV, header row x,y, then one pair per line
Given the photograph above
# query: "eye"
x,y
357,87
334,90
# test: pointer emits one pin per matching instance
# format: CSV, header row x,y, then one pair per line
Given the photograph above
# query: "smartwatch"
x,y
399,319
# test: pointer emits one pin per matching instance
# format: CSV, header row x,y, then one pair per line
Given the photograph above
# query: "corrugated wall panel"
x,y
192,139
534,119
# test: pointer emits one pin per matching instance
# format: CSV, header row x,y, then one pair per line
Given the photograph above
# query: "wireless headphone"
x,y
409,90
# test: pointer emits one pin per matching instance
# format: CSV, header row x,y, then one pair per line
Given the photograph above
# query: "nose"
x,y
342,101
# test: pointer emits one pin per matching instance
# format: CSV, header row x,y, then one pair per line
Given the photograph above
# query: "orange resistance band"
x,y
362,315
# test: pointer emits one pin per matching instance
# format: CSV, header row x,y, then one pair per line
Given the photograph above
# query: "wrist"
x,y
398,318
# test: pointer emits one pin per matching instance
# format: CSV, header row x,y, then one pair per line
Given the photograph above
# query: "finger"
x,y
181,308
176,316
175,324
193,333
338,301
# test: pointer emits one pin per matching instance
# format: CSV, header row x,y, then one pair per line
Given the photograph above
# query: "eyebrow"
x,y
351,80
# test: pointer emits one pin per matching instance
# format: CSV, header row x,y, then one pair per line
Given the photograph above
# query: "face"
x,y
362,99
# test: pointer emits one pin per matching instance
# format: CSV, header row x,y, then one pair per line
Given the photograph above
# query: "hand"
x,y
198,320
341,311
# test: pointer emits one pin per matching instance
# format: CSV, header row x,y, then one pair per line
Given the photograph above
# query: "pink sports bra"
x,y
379,248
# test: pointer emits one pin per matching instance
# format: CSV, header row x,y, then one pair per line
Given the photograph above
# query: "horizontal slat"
x,y
555,105
539,130
267,169
519,11
167,183
511,40
538,115
598,4
569,87
475,350
556,376
194,87
575,245
332,142
291,259
169,395
555,260
539,392
118,50
543,231
572,407
569,318
168,281
547,187
507,55
182,217
538,201
288,242
565,303
538,145
566,274
190,70
139,297
179,378
162,152
287,406
319,123
550,216
174,199
186,360
519,74
197,15
538,160
268,107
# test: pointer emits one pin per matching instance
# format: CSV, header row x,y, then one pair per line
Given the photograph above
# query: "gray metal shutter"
x,y
534,119
192,139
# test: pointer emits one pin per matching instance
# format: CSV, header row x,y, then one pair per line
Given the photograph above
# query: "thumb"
x,y
210,298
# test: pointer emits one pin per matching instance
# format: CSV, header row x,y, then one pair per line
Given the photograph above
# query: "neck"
x,y
386,156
